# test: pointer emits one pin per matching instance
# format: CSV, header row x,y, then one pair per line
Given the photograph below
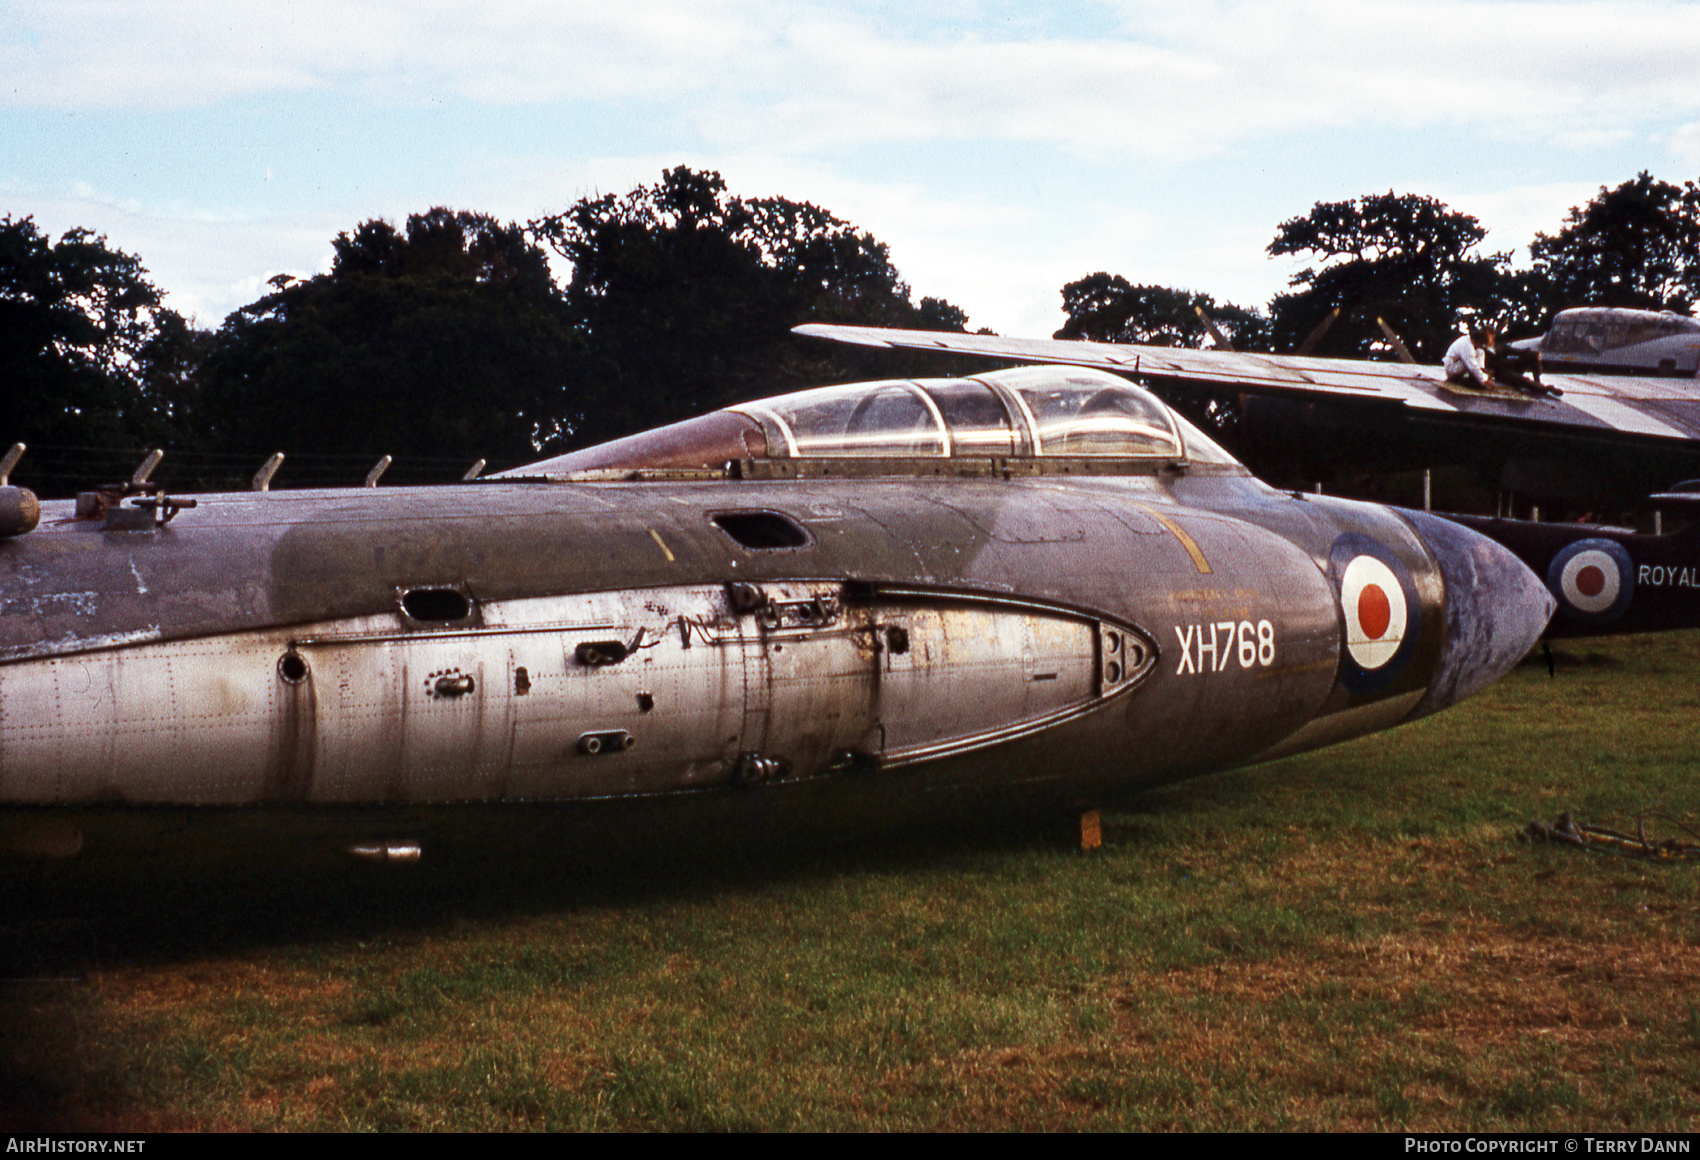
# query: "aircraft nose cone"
x,y
1496,609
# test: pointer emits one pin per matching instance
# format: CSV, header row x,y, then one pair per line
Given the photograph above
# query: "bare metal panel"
x,y
687,736
966,672
599,694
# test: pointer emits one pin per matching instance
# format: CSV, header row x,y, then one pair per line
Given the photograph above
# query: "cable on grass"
x,y
1598,839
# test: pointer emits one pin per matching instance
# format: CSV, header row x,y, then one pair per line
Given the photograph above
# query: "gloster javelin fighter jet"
x,y
1024,590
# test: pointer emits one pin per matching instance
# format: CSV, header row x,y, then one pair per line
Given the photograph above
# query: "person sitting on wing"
x,y
1510,366
1463,363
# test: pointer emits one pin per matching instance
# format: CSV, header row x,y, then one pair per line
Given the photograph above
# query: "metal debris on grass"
x,y
1568,831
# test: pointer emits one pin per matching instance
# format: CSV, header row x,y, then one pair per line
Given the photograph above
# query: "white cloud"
x,y
998,259
207,265
1513,215
1684,147
169,54
1177,82
792,98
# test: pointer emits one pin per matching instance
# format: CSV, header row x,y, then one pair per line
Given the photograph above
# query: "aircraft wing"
x,y
1662,409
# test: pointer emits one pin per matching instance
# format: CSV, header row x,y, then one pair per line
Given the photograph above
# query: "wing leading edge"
x,y
1663,409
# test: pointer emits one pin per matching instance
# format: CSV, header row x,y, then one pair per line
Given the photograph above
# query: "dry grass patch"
x,y
1480,1026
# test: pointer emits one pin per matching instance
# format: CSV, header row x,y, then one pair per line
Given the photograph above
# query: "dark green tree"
x,y
446,341
684,296
1404,258
1103,307
84,343
1106,307
1636,245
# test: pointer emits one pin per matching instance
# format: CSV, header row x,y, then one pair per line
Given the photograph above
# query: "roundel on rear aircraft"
x,y
1379,609
1593,580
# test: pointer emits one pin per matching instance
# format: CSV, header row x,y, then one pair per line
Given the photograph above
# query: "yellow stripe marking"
x,y
1179,533
662,544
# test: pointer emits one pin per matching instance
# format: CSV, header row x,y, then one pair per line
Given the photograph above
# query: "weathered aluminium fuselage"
x,y
860,642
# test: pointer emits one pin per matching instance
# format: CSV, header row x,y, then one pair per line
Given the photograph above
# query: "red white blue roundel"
x,y
1379,609
1376,615
1593,580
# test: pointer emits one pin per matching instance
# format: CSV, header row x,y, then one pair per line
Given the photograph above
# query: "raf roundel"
x,y
1380,612
1376,613
1593,580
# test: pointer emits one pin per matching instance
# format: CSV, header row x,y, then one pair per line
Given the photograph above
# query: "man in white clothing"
x,y
1463,364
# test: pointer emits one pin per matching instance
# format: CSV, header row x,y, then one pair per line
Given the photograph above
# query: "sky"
x,y
999,149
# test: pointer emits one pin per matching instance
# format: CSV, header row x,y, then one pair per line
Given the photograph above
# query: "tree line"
x,y
1414,263
437,341
450,336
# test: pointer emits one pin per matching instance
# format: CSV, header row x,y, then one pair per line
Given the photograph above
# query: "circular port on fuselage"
x,y
292,667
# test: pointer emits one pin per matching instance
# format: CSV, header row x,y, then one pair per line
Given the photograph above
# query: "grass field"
x,y
1353,939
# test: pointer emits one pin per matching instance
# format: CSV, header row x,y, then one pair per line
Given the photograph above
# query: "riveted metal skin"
x,y
927,645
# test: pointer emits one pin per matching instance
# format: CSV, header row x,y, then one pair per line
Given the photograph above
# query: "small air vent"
x,y
292,667
759,531
436,605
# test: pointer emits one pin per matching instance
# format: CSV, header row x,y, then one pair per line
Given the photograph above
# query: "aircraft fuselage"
x,y
554,642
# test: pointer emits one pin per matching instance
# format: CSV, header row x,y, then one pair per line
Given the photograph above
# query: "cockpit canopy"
x,y
1038,411
1596,329
1031,411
